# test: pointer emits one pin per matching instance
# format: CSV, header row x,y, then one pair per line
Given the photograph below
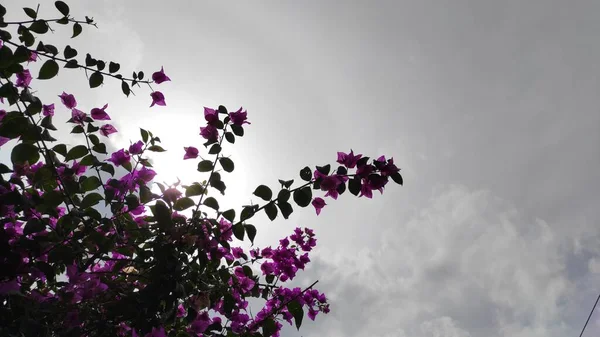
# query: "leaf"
x,y
72,64
108,168
53,198
76,152
212,203
296,310
30,12
156,148
140,75
285,208
194,189
247,213
397,178
303,196
61,149
96,79
126,90
62,7
113,67
163,215
76,29
324,169
48,70
283,196
144,134
90,184
34,225
354,185
77,129
229,215
205,166
237,130
100,148
269,327
94,139
24,152
271,211
100,65
69,52
306,174
39,26
227,164
238,231
215,149
263,192
91,200
183,203
251,231
4,169
47,123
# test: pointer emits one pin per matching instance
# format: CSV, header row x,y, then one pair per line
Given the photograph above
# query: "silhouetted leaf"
x,y
263,192
48,70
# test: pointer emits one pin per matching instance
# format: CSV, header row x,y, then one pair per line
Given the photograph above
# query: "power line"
x,y
590,316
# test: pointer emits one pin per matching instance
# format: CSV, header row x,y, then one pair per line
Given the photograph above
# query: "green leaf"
x,y
303,196
263,192
397,178
215,149
108,168
39,26
237,130
229,215
69,52
34,226
76,29
296,310
24,152
77,129
183,203
283,196
144,134
205,166
47,123
90,183
285,208
306,174
100,148
53,198
227,164
91,200
96,80
247,213
113,67
61,149
62,7
269,327
126,91
238,231
88,160
212,203
271,211
162,213
48,70
230,137
94,139
156,148
354,185
30,12
76,152
194,189
251,231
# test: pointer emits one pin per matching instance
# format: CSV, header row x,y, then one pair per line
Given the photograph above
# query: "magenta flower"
x,y
146,174
389,168
120,157
239,117
157,332
330,184
100,114
318,203
365,190
211,115
349,160
172,194
157,98
160,76
23,79
107,129
200,324
33,57
68,100
136,148
1,43
78,116
181,311
190,152
209,132
2,114
3,140
48,110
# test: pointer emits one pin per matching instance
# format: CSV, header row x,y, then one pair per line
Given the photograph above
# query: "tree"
x,y
86,247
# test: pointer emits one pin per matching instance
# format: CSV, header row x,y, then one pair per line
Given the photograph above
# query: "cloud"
x,y
467,264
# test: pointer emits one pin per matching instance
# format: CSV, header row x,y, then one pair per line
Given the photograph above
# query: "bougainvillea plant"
x,y
88,249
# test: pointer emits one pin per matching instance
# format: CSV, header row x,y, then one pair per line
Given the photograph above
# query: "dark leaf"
x,y
113,67
285,208
156,148
61,149
283,196
251,231
125,89
306,174
237,130
47,123
227,164
303,196
212,203
96,79
269,327
214,149
271,211
194,189
230,137
238,231
62,7
263,192
72,64
247,213
48,70
354,185
162,213
39,26
90,200
144,134
141,75
397,178
30,12
205,166
76,152
324,169
69,52
183,204
296,310
76,29
229,215
24,152
100,65
34,225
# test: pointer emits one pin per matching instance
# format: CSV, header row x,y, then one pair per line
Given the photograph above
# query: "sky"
x,y
490,108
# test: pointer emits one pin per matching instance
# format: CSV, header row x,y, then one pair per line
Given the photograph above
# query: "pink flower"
x,y
157,98
78,116
190,152
238,117
107,129
48,110
349,160
318,203
136,148
160,77
211,115
23,79
120,157
209,132
100,114
33,57
68,100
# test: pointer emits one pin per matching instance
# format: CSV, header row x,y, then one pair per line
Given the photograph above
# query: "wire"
x,y
590,316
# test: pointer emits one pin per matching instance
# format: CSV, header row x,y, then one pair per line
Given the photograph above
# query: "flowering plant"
x,y
88,249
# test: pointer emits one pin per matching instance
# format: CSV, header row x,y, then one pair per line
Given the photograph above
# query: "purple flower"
x,y
157,332
9,287
209,132
3,140
1,43
330,184
136,148
190,152
120,157
160,76
68,100
211,115
157,98
349,160
389,168
146,174
23,79
107,129
200,324
100,114
78,116
32,57
48,110
2,114
181,311
172,194
238,117
365,190
318,203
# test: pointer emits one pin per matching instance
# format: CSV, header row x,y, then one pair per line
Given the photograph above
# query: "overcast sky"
x,y
490,108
